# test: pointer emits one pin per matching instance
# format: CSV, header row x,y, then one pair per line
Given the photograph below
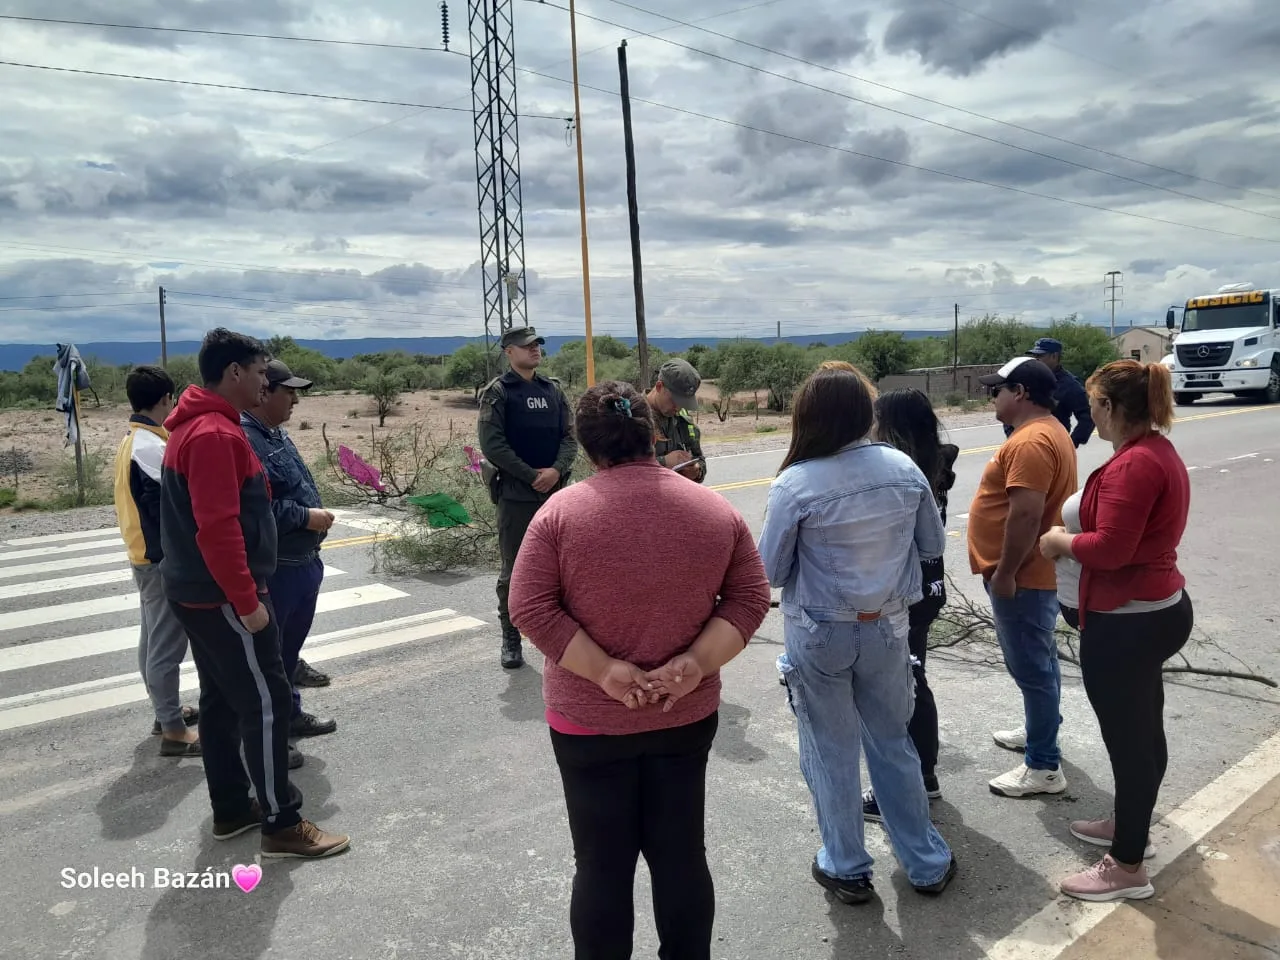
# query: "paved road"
x,y
442,772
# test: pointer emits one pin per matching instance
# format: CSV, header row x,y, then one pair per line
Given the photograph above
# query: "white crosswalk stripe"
x,y
101,664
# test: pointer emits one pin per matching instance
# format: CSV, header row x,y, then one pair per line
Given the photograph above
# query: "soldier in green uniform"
x,y
672,400
526,435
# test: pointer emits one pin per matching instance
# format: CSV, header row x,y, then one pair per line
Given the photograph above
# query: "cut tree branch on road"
x,y
969,625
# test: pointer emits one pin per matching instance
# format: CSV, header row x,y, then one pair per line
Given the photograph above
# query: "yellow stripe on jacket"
x,y
137,490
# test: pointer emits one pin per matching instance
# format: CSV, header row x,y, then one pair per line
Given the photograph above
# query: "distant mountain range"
x,y
15,356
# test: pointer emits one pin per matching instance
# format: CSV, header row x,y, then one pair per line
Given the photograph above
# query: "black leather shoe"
x,y
309,725
308,676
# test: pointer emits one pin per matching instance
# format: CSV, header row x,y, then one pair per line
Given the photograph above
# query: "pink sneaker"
x,y
1107,881
1102,833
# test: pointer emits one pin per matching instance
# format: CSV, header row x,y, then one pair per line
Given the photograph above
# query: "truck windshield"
x,y
1222,318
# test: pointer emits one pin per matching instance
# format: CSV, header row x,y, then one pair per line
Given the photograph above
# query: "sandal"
x,y
180,748
190,716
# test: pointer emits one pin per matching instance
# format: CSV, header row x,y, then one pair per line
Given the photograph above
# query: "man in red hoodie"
x,y
219,541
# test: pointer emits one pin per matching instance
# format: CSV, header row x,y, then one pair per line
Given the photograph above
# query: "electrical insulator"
x,y
444,22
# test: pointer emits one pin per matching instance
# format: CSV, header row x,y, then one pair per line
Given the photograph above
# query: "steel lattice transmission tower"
x,y
493,103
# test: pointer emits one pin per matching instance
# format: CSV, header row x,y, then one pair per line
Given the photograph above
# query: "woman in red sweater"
x,y
637,585
1134,613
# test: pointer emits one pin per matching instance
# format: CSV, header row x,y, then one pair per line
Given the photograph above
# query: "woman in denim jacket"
x,y
905,419
848,523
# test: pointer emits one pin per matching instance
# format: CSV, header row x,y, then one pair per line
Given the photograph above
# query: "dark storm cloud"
x,y
891,145
243,16
829,39
961,42
768,168
201,172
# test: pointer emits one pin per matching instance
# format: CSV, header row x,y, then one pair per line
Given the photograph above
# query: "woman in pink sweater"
x,y
637,585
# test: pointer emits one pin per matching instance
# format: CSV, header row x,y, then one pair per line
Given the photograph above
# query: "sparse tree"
x,y
384,388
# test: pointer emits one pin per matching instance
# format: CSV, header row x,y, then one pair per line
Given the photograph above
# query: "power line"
x,y
311,274
936,103
229,33
56,296
284,93
84,306
910,166
372,307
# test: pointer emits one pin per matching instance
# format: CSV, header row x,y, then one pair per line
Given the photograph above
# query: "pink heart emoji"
x,y
246,877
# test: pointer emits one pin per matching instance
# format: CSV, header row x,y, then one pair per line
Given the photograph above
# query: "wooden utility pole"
x,y
582,197
633,212
164,340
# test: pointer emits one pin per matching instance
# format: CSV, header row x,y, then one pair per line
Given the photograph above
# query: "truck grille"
x,y
1204,355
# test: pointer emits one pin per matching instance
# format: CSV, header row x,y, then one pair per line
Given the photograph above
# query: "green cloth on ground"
x,y
441,510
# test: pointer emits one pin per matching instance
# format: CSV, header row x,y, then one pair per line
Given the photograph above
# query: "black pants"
x,y
628,795
1121,655
245,699
924,719
514,517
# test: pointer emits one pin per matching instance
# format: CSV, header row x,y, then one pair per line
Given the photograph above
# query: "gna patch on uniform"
x,y
537,403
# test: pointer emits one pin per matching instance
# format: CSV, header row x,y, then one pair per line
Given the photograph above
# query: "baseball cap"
x,y
521,337
278,375
682,382
1045,345
1026,372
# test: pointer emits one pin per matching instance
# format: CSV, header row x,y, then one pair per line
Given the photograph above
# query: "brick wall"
x,y
941,383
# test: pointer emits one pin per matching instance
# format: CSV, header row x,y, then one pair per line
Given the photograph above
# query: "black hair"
x,y
614,424
146,386
905,419
221,348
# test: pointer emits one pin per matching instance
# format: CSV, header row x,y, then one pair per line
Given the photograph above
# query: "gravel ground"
x,y
17,525
778,441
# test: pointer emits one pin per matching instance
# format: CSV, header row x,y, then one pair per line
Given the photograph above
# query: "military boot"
x,y
512,657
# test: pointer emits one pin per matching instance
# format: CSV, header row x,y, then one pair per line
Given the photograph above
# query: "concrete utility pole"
x,y
164,340
955,353
1113,288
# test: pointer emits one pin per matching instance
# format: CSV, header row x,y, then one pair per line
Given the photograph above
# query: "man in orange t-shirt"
x,y
1019,498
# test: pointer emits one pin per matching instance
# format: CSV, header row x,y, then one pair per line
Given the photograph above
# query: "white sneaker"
x,y
1011,739
1024,782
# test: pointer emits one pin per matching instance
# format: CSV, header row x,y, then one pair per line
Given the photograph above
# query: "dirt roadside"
x,y
346,418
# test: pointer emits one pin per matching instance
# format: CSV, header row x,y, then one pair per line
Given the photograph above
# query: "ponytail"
x,y
1160,396
1141,393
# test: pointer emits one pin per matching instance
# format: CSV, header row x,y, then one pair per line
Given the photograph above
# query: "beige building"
x,y
1146,344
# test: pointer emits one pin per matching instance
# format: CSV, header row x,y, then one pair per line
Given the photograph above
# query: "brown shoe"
x,y
225,830
304,840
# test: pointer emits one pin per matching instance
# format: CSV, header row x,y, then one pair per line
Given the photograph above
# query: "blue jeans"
x,y
294,591
850,684
1025,626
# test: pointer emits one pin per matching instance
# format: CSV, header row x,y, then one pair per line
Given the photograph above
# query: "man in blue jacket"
x,y
1070,397
301,523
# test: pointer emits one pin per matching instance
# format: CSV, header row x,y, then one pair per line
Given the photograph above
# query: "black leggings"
x,y
1121,656
924,719
628,795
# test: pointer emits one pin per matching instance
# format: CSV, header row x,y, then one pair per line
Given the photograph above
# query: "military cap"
x,y
521,337
682,382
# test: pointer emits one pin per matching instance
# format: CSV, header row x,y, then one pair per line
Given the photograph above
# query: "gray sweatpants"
x,y
162,645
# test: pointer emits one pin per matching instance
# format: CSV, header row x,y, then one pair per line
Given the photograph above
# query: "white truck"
x,y
1229,342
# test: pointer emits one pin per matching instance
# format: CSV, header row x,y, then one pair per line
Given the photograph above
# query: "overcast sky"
x,y
115,186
